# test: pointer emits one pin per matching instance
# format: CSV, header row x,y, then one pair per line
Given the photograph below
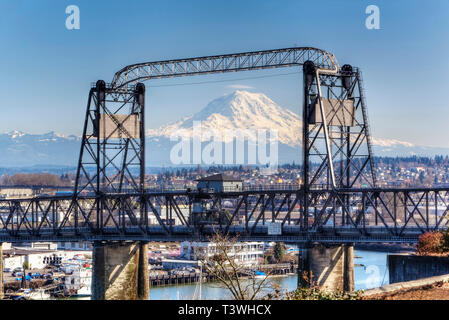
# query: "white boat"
x,y
31,294
78,283
259,274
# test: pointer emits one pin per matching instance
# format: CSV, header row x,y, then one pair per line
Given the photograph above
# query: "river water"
x,y
370,271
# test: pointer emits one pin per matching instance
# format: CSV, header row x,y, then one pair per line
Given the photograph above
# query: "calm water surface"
x,y
370,271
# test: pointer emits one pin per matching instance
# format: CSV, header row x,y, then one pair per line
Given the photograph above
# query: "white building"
x,y
6,245
78,282
75,245
42,245
36,259
15,193
247,253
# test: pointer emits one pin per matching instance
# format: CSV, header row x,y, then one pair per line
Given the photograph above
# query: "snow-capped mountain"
x,y
235,112
390,143
397,148
239,115
243,110
239,111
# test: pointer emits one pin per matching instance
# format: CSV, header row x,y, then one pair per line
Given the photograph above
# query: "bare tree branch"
x,y
238,278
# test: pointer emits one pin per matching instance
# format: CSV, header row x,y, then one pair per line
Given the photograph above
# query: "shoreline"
x,y
385,247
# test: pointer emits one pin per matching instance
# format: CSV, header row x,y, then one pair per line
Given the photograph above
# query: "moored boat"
x,y
78,283
29,294
259,274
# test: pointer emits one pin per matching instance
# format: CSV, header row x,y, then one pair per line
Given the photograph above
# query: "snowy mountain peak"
x,y
391,142
15,134
239,111
242,103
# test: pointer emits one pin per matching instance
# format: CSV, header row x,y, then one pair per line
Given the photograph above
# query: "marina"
x,y
180,279
373,273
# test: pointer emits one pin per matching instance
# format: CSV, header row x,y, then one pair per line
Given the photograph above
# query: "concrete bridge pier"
x,y
120,271
1,273
329,266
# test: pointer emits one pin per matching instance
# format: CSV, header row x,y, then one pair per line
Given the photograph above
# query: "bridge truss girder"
x,y
244,61
358,215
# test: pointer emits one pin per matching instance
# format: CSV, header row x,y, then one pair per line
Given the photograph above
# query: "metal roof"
x,y
219,177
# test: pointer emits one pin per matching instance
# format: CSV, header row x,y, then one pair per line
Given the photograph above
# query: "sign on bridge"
x,y
274,228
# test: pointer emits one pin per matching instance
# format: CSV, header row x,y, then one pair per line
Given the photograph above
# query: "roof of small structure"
x,y
219,177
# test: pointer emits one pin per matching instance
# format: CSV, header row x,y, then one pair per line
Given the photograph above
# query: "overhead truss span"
x,y
245,61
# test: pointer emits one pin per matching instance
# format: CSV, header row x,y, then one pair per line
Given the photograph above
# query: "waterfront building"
x,y
76,245
246,253
78,282
15,192
15,257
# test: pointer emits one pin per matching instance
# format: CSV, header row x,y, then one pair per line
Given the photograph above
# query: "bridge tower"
x,y
337,151
112,156
112,160
337,155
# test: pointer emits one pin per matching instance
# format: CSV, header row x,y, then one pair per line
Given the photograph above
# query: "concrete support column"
x,y
1,273
143,285
329,266
348,268
120,271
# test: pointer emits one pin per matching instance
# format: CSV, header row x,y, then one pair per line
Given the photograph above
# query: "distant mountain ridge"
x,y
238,111
24,149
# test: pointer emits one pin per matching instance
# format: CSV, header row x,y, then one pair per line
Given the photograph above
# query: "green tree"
x,y
25,266
445,241
278,251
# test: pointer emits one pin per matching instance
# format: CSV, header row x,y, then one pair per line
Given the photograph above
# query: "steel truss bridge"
x,y
358,215
338,201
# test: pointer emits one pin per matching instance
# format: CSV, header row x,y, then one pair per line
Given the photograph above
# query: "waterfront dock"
x,y
193,277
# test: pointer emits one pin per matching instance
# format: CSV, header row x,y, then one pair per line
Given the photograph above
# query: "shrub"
x,y
311,291
446,241
430,243
278,251
316,293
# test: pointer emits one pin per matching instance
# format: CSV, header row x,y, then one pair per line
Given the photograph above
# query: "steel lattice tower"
x,y
337,144
112,156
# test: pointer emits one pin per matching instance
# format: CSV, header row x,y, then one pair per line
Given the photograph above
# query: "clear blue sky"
x,y
46,70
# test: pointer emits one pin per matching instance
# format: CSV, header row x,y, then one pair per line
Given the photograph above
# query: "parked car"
x,y
7,270
18,269
17,274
